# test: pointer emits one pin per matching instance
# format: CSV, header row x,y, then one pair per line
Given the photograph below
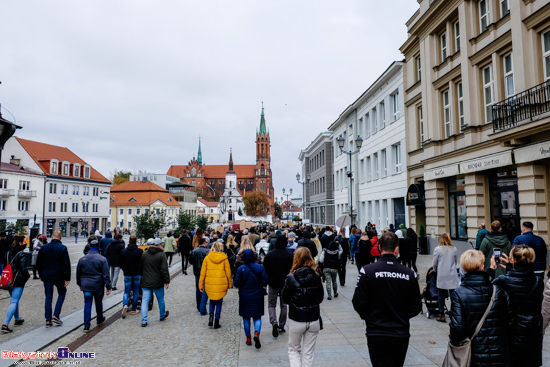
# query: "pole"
x,y
350,190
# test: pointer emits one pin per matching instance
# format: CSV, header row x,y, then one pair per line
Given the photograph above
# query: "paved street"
x,y
184,338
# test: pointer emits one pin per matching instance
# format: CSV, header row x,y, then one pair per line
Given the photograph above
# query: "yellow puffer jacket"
x,y
215,275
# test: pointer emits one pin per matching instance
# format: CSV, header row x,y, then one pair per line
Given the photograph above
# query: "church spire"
x,y
199,155
263,129
230,160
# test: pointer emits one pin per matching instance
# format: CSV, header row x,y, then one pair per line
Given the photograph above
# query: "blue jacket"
x,y
105,242
53,262
480,236
250,279
537,244
92,272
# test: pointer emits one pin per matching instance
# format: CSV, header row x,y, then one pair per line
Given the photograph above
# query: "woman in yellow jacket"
x,y
215,279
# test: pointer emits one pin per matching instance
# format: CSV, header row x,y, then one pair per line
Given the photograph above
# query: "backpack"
x,y
6,282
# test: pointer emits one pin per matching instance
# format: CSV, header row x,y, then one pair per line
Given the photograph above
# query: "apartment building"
x,y
477,107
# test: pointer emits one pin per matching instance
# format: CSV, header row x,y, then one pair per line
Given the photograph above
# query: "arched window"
x,y
263,154
194,172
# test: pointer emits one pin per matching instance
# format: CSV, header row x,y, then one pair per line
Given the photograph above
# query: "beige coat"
x,y
546,307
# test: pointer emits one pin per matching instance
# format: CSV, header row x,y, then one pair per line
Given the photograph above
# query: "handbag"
x,y
461,355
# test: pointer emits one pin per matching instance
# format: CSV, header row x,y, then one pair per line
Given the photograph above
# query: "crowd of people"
x,y
290,264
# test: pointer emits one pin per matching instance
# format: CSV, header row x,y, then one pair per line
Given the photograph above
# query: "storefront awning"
x,y
415,195
532,152
441,172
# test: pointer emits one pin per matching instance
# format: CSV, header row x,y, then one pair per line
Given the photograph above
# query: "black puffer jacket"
x,y
303,292
16,257
468,304
525,292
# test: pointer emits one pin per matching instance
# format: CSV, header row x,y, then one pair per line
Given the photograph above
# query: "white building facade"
x,y
379,172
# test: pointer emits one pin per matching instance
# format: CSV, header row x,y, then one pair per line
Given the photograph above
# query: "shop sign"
x,y
533,152
487,162
415,195
440,172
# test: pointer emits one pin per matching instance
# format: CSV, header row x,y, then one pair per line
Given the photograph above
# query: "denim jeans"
x,y
246,325
61,292
13,308
217,305
114,275
147,292
96,297
131,283
201,297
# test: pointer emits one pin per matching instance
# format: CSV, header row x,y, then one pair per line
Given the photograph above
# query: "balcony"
x,y
521,108
6,192
26,194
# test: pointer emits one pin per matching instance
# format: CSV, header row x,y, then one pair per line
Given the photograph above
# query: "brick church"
x,y
210,180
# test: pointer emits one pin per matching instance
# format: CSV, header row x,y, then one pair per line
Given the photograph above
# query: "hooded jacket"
x,y
495,240
303,292
250,279
307,242
468,304
92,272
330,256
327,238
277,264
113,253
105,242
215,276
525,292
129,260
153,267
169,244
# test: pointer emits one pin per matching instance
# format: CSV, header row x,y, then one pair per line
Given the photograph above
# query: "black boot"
x,y
217,324
211,320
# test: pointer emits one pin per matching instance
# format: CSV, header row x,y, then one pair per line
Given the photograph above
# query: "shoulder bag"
x,y
461,355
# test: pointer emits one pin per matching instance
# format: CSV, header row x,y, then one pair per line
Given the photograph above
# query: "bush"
x,y
422,231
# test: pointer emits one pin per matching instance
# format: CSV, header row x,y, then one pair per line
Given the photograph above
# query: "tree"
x,y
278,211
148,223
255,203
240,212
121,177
186,220
202,222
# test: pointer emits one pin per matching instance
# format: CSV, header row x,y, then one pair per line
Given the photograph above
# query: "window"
x,y
76,170
95,191
24,185
63,207
193,172
504,8
443,39
546,54
508,76
121,211
53,188
397,157
488,93
262,185
367,124
129,211
447,114
484,15
460,95
138,211
51,206
86,172
75,207
53,167
86,191
76,189
418,64
395,105
384,163
369,171
3,204
421,125
382,114
24,205
64,189
65,169
457,36
3,183
95,208
457,208
375,165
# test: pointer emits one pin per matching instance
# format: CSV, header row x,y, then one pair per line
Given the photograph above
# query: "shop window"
x,y
504,196
457,208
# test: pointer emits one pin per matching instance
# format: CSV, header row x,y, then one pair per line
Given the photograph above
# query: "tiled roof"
x,y
137,186
216,171
140,193
8,167
210,204
42,153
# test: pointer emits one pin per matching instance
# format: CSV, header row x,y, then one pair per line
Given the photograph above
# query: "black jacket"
x,y
412,243
303,292
153,267
468,304
197,258
277,264
5,246
307,242
184,244
330,256
386,297
53,262
525,292
326,239
17,258
344,243
129,260
113,253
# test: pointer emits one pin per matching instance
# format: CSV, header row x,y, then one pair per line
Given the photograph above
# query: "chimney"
x,y
14,161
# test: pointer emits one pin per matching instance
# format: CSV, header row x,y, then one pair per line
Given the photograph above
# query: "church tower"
x,y
199,155
263,180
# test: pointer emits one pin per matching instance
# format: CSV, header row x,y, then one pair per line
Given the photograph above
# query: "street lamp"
x,y
7,129
358,143
308,177
287,195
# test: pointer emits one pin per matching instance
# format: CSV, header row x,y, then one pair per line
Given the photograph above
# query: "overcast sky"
x,y
130,85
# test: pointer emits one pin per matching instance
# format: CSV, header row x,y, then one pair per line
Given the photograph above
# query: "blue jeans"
x,y
96,297
257,325
61,292
201,297
216,305
13,308
147,292
131,283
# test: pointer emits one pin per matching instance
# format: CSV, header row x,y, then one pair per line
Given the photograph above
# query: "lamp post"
x,y
7,129
287,195
308,177
358,143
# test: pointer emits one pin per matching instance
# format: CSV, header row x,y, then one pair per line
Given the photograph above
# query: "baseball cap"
x,y
158,241
94,243
150,241
291,235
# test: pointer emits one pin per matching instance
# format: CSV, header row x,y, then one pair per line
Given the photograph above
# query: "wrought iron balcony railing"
x,y
515,110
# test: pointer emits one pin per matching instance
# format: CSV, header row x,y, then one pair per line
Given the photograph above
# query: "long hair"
x,y
302,259
246,245
198,235
231,241
17,241
445,240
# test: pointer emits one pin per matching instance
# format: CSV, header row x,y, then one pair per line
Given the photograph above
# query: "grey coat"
x,y
444,264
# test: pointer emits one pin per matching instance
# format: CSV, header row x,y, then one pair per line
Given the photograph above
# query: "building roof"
x,y
215,171
140,193
42,153
13,168
210,204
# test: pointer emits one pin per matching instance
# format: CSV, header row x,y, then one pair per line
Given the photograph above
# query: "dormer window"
x,y
87,171
76,170
66,166
132,199
54,166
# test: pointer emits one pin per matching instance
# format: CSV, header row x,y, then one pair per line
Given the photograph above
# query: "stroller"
x,y
430,294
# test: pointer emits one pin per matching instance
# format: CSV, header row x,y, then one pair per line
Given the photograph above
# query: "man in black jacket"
x,y
327,237
344,243
387,296
54,267
277,264
307,242
184,249
197,258
129,263
113,255
153,266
